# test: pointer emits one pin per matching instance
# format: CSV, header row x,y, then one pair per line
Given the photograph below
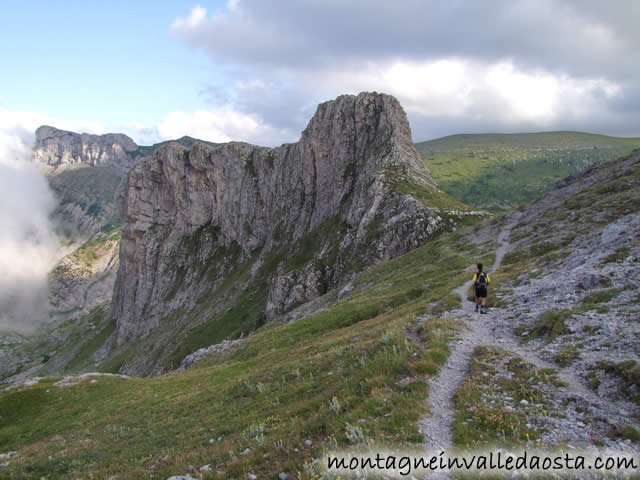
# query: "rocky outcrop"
x,y
295,288
346,196
219,349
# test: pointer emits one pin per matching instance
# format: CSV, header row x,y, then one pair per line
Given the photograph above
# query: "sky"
x,y
254,71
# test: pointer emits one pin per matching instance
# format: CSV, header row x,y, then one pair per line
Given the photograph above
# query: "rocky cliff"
x,y
84,171
217,239
56,148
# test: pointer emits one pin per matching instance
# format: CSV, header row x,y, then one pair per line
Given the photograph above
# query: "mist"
x,y
28,244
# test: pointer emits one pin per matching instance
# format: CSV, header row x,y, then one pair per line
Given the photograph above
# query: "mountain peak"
x,y
325,206
55,148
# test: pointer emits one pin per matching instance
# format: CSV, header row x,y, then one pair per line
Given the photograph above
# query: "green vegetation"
x,y
627,433
400,181
618,256
436,334
447,303
628,374
94,209
596,300
92,251
328,232
515,256
601,296
111,225
501,171
343,375
82,357
488,401
548,327
567,356
244,314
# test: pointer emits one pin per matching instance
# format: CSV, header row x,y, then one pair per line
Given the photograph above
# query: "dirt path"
x,y
437,428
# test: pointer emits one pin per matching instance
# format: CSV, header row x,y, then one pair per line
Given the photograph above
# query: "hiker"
x,y
480,285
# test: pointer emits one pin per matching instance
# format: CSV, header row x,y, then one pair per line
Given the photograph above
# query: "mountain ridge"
x,y
336,186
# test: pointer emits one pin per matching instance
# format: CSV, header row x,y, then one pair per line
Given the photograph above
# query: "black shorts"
x,y
481,291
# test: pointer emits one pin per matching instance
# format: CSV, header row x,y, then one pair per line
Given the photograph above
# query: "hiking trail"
x,y
496,330
437,428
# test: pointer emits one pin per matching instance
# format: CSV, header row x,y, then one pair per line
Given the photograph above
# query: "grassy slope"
x,y
497,171
271,395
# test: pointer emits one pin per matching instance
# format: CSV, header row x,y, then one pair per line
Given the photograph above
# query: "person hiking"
x,y
480,286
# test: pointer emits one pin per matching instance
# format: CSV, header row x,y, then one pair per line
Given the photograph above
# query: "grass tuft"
x,y
547,327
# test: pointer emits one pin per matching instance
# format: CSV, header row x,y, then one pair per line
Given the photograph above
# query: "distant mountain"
x,y
86,195
86,173
501,171
185,141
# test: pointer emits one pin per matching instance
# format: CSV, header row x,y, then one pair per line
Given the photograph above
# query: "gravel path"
x,y
437,428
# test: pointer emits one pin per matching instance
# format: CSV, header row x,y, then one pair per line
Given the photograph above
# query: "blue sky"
x,y
110,62
254,71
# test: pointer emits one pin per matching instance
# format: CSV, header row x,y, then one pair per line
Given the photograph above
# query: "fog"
x,y
28,243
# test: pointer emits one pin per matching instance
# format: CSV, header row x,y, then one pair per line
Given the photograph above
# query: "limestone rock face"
x,y
56,148
324,206
295,288
85,172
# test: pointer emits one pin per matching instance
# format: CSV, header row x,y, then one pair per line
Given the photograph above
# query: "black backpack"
x,y
482,280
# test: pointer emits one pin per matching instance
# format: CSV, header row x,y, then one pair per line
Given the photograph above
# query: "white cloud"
x,y
504,64
218,125
498,93
196,17
28,244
